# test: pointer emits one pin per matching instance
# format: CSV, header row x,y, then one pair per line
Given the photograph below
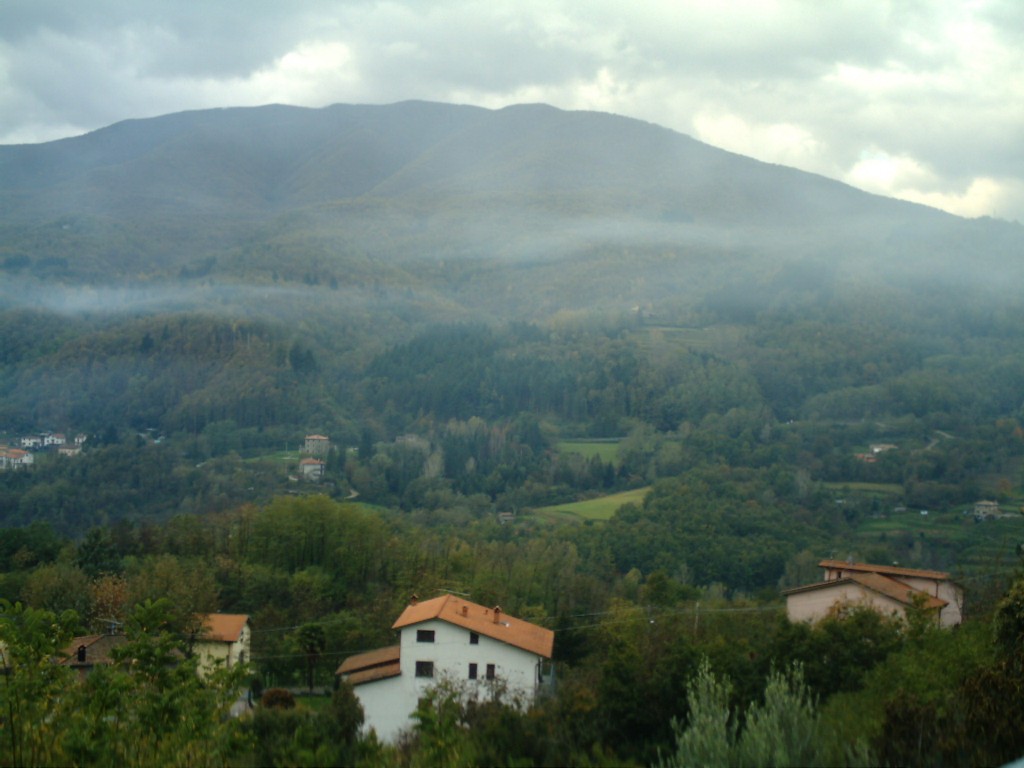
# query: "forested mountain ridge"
x,y
372,197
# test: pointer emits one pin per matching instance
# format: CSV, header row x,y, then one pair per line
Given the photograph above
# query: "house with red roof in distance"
x,y
476,648
226,638
890,590
15,458
312,469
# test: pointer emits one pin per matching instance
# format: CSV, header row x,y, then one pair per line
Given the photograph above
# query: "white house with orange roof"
x,y
312,469
226,638
890,590
451,639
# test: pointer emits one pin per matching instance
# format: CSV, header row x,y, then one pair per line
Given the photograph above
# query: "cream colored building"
x,y
226,640
316,445
890,590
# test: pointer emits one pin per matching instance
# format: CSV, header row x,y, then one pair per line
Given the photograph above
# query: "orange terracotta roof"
x,y
888,570
372,665
896,590
224,627
477,618
883,585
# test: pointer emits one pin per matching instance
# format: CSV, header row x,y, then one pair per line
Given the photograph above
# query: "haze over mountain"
x,y
526,210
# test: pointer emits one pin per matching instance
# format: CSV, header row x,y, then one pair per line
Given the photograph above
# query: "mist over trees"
x,y
495,315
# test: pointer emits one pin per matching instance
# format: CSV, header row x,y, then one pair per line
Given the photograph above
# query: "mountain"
x,y
527,209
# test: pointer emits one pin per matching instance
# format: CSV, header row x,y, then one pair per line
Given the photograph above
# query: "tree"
x,y
783,730
32,685
442,741
312,640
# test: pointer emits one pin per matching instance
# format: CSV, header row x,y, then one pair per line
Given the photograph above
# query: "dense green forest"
x,y
646,663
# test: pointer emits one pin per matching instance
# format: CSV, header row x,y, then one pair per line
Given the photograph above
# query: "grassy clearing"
x,y
712,337
607,449
318,702
282,457
869,489
593,509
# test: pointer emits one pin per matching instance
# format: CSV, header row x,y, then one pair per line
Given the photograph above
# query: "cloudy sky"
x,y
918,100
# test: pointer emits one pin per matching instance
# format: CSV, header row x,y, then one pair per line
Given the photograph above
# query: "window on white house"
x,y
424,669
472,671
490,671
474,638
424,635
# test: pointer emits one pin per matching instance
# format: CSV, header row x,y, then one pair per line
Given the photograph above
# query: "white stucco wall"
x,y
379,709
388,704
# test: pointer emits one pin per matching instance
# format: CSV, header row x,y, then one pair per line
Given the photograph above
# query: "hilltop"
x,y
454,211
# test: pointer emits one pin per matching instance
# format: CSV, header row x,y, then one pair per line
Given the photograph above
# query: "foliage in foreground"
x,y
149,708
786,729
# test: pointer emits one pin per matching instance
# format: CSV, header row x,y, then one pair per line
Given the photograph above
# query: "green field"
x,y
608,450
593,509
867,489
713,337
286,457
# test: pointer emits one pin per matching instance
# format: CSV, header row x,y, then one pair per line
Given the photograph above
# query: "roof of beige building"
x,y
888,570
883,585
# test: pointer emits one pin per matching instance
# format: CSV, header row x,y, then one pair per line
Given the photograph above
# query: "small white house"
x,y
312,469
454,640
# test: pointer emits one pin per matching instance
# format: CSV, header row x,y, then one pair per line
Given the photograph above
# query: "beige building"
x,y
226,639
316,445
890,590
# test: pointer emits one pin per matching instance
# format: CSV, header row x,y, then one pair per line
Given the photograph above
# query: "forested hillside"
x,y
501,319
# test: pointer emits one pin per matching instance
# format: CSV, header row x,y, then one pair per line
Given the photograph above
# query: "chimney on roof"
x,y
497,614
81,654
465,610
414,599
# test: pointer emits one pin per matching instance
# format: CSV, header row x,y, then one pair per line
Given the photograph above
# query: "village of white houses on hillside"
x,y
20,452
22,455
